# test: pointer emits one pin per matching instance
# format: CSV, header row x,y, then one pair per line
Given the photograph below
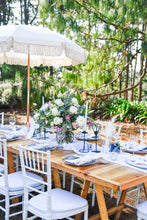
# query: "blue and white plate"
x,y
42,147
13,138
137,163
72,159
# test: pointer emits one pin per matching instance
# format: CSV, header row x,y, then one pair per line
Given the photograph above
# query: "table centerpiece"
x,y
63,115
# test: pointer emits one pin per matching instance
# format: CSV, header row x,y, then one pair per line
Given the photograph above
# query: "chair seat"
x,y
62,201
15,181
142,207
1,168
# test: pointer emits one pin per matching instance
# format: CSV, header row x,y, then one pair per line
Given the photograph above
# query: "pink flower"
x,y
89,122
75,125
56,127
49,103
67,117
59,129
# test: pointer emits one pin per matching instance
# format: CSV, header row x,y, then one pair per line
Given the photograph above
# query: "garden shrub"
x,y
126,111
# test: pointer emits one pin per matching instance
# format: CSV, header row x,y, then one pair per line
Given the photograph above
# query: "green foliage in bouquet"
x,y
63,113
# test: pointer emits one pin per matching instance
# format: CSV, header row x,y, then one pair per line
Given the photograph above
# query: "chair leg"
x,y
139,218
72,182
118,197
86,215
93,196
63,180
137,195
111,194
7,203
25,212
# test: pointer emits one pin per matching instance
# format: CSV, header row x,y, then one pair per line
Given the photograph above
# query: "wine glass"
x,y
133,139
60,138
12,121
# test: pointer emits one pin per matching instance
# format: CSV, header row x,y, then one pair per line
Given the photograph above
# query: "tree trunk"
x,y
127,80
140,73
51,71
26,12
120,84
141,67
21,13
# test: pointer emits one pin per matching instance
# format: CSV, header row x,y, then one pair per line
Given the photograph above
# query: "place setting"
x,y
137,161
132,146
13,132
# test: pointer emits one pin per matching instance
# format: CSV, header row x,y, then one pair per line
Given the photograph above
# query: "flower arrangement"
x,y
63,114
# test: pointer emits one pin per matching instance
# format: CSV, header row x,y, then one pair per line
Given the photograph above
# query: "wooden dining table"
x,y
112,175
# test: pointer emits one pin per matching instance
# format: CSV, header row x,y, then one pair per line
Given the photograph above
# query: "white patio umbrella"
x,y
35,45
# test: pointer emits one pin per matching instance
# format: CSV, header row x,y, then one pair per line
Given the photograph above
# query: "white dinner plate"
x,y
90,138
42,147
71,160
13,138
137,163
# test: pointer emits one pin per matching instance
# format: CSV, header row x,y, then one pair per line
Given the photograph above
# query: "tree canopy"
x,y
114,33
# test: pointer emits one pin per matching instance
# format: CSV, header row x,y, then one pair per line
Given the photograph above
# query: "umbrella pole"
x,y
28,90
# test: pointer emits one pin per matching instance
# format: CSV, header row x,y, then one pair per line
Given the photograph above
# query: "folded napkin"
x,y
10,127
12,134
138,161
49,138
132,146
83,159
43,146
31,129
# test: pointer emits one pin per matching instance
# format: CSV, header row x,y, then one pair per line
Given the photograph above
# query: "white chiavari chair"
x,y
2,118
53,203
11,185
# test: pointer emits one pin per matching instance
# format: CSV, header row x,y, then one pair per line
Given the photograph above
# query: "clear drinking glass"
x,y
60,137
133,139
12,121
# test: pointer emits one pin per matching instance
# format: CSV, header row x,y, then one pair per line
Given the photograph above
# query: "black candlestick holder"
x,y
95,127
84,150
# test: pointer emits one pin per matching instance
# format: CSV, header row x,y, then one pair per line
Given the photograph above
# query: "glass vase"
x,y
64,137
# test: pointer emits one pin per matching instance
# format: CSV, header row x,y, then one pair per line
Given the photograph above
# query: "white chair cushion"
x,y
61,200
15,181
142,207
1,168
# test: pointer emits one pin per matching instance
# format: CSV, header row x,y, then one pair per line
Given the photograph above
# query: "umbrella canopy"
x,y
36,45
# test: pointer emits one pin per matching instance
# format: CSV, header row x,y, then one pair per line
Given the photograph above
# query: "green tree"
x,y
112,32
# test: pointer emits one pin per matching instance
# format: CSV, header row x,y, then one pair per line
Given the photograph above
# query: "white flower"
x,y
44,107
74,101
60,95
80,121
55,111
57,120
52,124
36,126
59,102
73,110
36,116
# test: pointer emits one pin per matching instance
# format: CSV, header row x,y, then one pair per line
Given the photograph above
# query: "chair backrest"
x,y
39,162
2,118
3,159
109,129
143,136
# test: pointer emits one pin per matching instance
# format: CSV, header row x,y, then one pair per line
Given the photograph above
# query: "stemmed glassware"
x,y
95,128
12,121
84,149
60,136
133,139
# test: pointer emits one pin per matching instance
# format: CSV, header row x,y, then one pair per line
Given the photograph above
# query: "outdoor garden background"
x,y
113,79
